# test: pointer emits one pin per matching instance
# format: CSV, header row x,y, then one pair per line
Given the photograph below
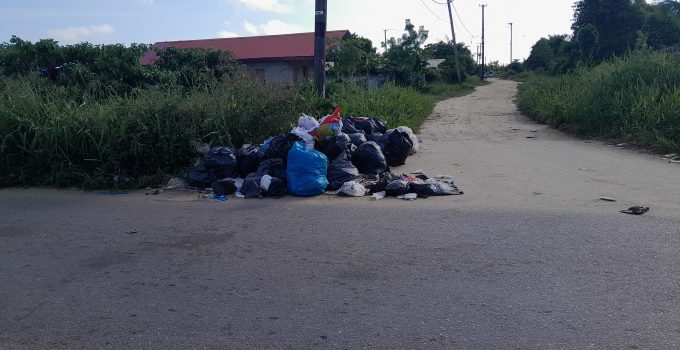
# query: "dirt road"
x,y
503,160
528,258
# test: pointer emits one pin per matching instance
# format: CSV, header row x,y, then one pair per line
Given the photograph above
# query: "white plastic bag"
x,y
305,136
307,123
353,189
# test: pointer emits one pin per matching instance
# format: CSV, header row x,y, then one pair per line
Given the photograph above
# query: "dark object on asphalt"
x,y
306,171
431,189
341,170
397,188
336,145
277,188
275,167
348,126
224,187
251,186
369,159
278,147
397,148
248,159
222,160
370,126
200,177
357,139
636,210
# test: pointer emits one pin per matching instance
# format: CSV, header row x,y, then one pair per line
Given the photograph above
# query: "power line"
x,y
461,22
432,12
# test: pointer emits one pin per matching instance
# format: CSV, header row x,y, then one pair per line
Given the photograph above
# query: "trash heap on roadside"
x,y
349,155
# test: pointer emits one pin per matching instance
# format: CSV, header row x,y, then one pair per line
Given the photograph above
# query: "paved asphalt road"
x,y
88,271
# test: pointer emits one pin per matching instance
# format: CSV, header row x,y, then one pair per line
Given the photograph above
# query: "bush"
x,y
635,98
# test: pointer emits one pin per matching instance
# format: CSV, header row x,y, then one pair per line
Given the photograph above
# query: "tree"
x,y
541,56
616,21
405,60
353,55
442,50
661,26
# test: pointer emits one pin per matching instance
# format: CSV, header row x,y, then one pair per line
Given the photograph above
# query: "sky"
x,y
150,21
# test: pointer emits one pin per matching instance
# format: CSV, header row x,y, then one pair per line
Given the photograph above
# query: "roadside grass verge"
x,y
48,138
635,98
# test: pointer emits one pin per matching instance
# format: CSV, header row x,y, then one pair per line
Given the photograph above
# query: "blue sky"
x,y
149,21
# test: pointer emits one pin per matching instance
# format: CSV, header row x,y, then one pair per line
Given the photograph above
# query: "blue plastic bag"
x,y
306,171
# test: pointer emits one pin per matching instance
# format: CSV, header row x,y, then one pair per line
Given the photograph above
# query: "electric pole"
x,y
455,44
510,42
320,17
483,43
385,30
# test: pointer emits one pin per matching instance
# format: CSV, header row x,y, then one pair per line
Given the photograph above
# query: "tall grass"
x,y
636,98
48,137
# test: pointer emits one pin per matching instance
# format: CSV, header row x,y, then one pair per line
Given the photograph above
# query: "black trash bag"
x,y
357,138
341,170
248,159
397,149
277,188
381,140
432,189
383,180
200,177
333,147
369,159
251,186
371,126
348,126
273,167
397,188
222,160
278,147
224,187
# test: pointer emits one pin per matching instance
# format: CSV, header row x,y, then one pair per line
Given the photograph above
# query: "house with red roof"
x,y
285,58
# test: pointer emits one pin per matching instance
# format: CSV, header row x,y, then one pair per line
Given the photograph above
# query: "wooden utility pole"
x,y
510,42
483,43
320,17
455,45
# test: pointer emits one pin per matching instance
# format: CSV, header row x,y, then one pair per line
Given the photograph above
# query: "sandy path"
x,y
482,139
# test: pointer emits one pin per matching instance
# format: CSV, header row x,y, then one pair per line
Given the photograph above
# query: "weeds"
x,y
636,98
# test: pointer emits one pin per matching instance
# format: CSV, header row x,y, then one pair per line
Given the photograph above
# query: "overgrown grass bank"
x,y
636,98
49,138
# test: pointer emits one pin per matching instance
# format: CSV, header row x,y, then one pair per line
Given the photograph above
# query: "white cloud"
x,y
280,6
226,34
278,27
251,28
77,34
272,27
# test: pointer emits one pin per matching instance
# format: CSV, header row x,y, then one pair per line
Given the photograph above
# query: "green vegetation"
x,y
635,98
616,76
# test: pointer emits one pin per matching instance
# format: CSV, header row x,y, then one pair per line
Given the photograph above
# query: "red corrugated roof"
x,y
254,47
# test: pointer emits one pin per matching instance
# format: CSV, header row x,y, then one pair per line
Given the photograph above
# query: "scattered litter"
x,y
531,137
132,232
607,199
345,154
533,130
515,129
621,145
175,183
378,196
675,161
636,210
352,189
408,197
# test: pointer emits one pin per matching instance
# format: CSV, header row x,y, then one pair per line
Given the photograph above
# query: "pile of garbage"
x,y
349,155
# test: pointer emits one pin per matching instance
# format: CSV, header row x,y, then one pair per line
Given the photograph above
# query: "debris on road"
x,y
350,155
607,199
636,210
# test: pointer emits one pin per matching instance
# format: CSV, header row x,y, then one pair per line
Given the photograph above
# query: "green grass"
x,y
635,98
50,138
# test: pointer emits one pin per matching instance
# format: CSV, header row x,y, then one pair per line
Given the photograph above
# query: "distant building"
x,y
285,59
